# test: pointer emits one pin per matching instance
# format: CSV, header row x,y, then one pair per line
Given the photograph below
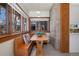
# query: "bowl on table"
x,y
39,33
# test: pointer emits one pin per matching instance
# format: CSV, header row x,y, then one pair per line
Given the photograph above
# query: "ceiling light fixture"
x,y
37,11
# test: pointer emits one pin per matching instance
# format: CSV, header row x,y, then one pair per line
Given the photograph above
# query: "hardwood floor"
x,y
50,51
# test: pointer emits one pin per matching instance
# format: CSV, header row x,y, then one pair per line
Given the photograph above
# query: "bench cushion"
x,y
26,38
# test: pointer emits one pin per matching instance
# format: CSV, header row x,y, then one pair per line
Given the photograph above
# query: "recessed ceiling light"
x,y
37,11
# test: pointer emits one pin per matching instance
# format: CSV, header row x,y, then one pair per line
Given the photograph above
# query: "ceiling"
x,y
35,6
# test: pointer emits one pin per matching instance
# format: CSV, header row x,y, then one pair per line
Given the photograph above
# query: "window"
x,y
39,24
18,22
13,21
3,19
25,24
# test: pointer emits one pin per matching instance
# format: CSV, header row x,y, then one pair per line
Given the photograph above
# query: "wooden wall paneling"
x,y
64,14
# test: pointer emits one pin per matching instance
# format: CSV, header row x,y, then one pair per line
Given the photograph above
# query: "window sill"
x,y
6,37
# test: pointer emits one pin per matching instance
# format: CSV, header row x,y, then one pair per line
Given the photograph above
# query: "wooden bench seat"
x,y
21,49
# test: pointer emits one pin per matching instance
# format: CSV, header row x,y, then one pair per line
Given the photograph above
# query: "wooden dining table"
x,y
39,38
39,43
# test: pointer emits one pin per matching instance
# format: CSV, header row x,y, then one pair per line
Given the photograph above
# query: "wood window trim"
x,y
40,17
17,14
22,24
10,35
6,37
9,9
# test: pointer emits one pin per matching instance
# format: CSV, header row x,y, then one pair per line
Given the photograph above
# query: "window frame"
x,y
25,25
19,18
4,5
48,29
10,35
13,21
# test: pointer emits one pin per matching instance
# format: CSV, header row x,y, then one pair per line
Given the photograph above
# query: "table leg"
x,y
39,48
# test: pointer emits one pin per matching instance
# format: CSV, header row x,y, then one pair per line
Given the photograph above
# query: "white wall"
x,y
55,24
7,48
41,14
74,13
74,37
